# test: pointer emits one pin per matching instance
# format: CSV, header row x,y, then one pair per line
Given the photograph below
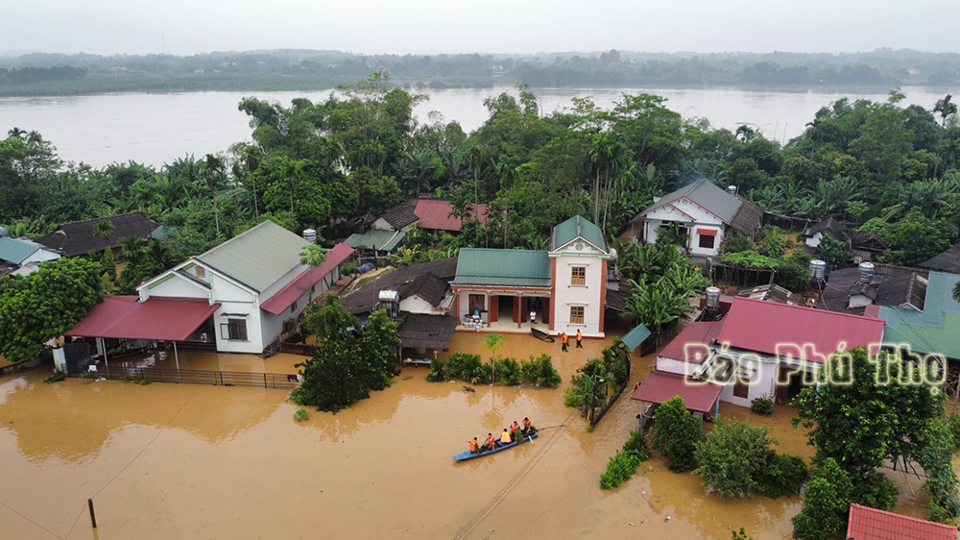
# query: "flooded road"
x,y
188,461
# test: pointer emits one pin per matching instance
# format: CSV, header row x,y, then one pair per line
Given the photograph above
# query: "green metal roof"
x,y
258,257
933,330
375,239
17,251
705,194
635,337
504,267
577,226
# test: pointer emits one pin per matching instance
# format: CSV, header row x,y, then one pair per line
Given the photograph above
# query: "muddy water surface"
x,y
187,461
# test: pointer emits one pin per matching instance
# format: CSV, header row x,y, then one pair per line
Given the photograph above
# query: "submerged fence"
x,y
196,376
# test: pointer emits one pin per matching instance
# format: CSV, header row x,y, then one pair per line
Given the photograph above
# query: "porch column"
x,y
546,310
103,346
516,310
494,302
176,357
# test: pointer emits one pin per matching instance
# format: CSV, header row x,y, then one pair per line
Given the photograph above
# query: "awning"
x,y
423,331
285,297
161,319
635,337
707,232
660,386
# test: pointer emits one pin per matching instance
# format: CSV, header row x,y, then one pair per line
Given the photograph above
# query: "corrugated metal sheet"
x,y
15,251
77,238
376,240
933,330
576,226
871,524
703,193
659,387
421,331
162,319
434,215
695,333
505,267
755,325
948,261
298,287
258,257
635,337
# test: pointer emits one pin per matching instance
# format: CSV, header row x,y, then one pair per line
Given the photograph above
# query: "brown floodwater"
x,y
189,461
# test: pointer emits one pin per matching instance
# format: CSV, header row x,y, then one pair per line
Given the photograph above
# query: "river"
x,y
188,461
158,128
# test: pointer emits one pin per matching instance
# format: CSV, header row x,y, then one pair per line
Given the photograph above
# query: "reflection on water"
x,y
189,461
158,128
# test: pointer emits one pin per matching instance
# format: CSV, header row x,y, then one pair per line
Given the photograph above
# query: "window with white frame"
x,y
576,314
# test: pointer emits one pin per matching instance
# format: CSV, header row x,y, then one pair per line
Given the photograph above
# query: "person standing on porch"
x,y
533,317
579,339
563,339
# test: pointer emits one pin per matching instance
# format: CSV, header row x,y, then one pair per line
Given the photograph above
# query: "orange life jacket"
x,y
579,336
526,424
473,445
565,338
490,440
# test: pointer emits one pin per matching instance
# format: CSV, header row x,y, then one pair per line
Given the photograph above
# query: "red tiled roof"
x,y
660,386
297,287
164,319
872,524
435,215
694,333
755,325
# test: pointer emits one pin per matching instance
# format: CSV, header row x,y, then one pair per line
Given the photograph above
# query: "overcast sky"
x,y
459,26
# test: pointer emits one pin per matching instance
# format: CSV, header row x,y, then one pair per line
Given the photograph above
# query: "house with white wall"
x,y
704,211
565,286
258,281
759,349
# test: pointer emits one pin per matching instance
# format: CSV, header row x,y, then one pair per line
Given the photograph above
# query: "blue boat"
x,y
464,456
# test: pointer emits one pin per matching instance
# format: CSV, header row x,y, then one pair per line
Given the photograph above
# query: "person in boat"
x,y
474,446
513,432
528,428
489,445
518,430
505,437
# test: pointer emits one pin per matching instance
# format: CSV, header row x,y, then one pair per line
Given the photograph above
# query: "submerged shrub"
x,y
508,371
437,371
301,415
463,365
624,464
56,377
762,405
782,476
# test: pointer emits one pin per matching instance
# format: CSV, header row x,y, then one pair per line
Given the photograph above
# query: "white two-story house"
x,y
564,288
705,212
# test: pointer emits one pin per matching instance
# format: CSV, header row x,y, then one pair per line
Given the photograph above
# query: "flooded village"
x,y
227,460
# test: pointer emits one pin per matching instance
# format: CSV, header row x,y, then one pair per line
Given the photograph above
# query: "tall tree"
x,y
313,256
944,107
213,171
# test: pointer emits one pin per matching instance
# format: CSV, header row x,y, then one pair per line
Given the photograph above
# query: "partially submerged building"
x,y
238,296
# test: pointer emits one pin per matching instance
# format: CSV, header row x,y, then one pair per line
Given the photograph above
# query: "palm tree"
x,y
213,170
104,229
672,234
16,133
459,205
507,176
313,256
944,107
476,159
956,292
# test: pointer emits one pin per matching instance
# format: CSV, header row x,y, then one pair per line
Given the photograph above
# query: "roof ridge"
x,y
101,218
225,242
840,313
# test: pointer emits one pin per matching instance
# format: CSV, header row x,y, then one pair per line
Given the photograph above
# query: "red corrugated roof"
x,y
297,287
163,319
759,326
435,215
872,524
694,333
660,386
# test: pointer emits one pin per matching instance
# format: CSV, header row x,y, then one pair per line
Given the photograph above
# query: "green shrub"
x,y
301,415
56,377
482,374
463,365
739,535
624,464
637,445
732,456
875,490
547,376
437,371
143,382
954,424
508,371
825,503
573,397
619,469
762,405
676,434
782,476
530,369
